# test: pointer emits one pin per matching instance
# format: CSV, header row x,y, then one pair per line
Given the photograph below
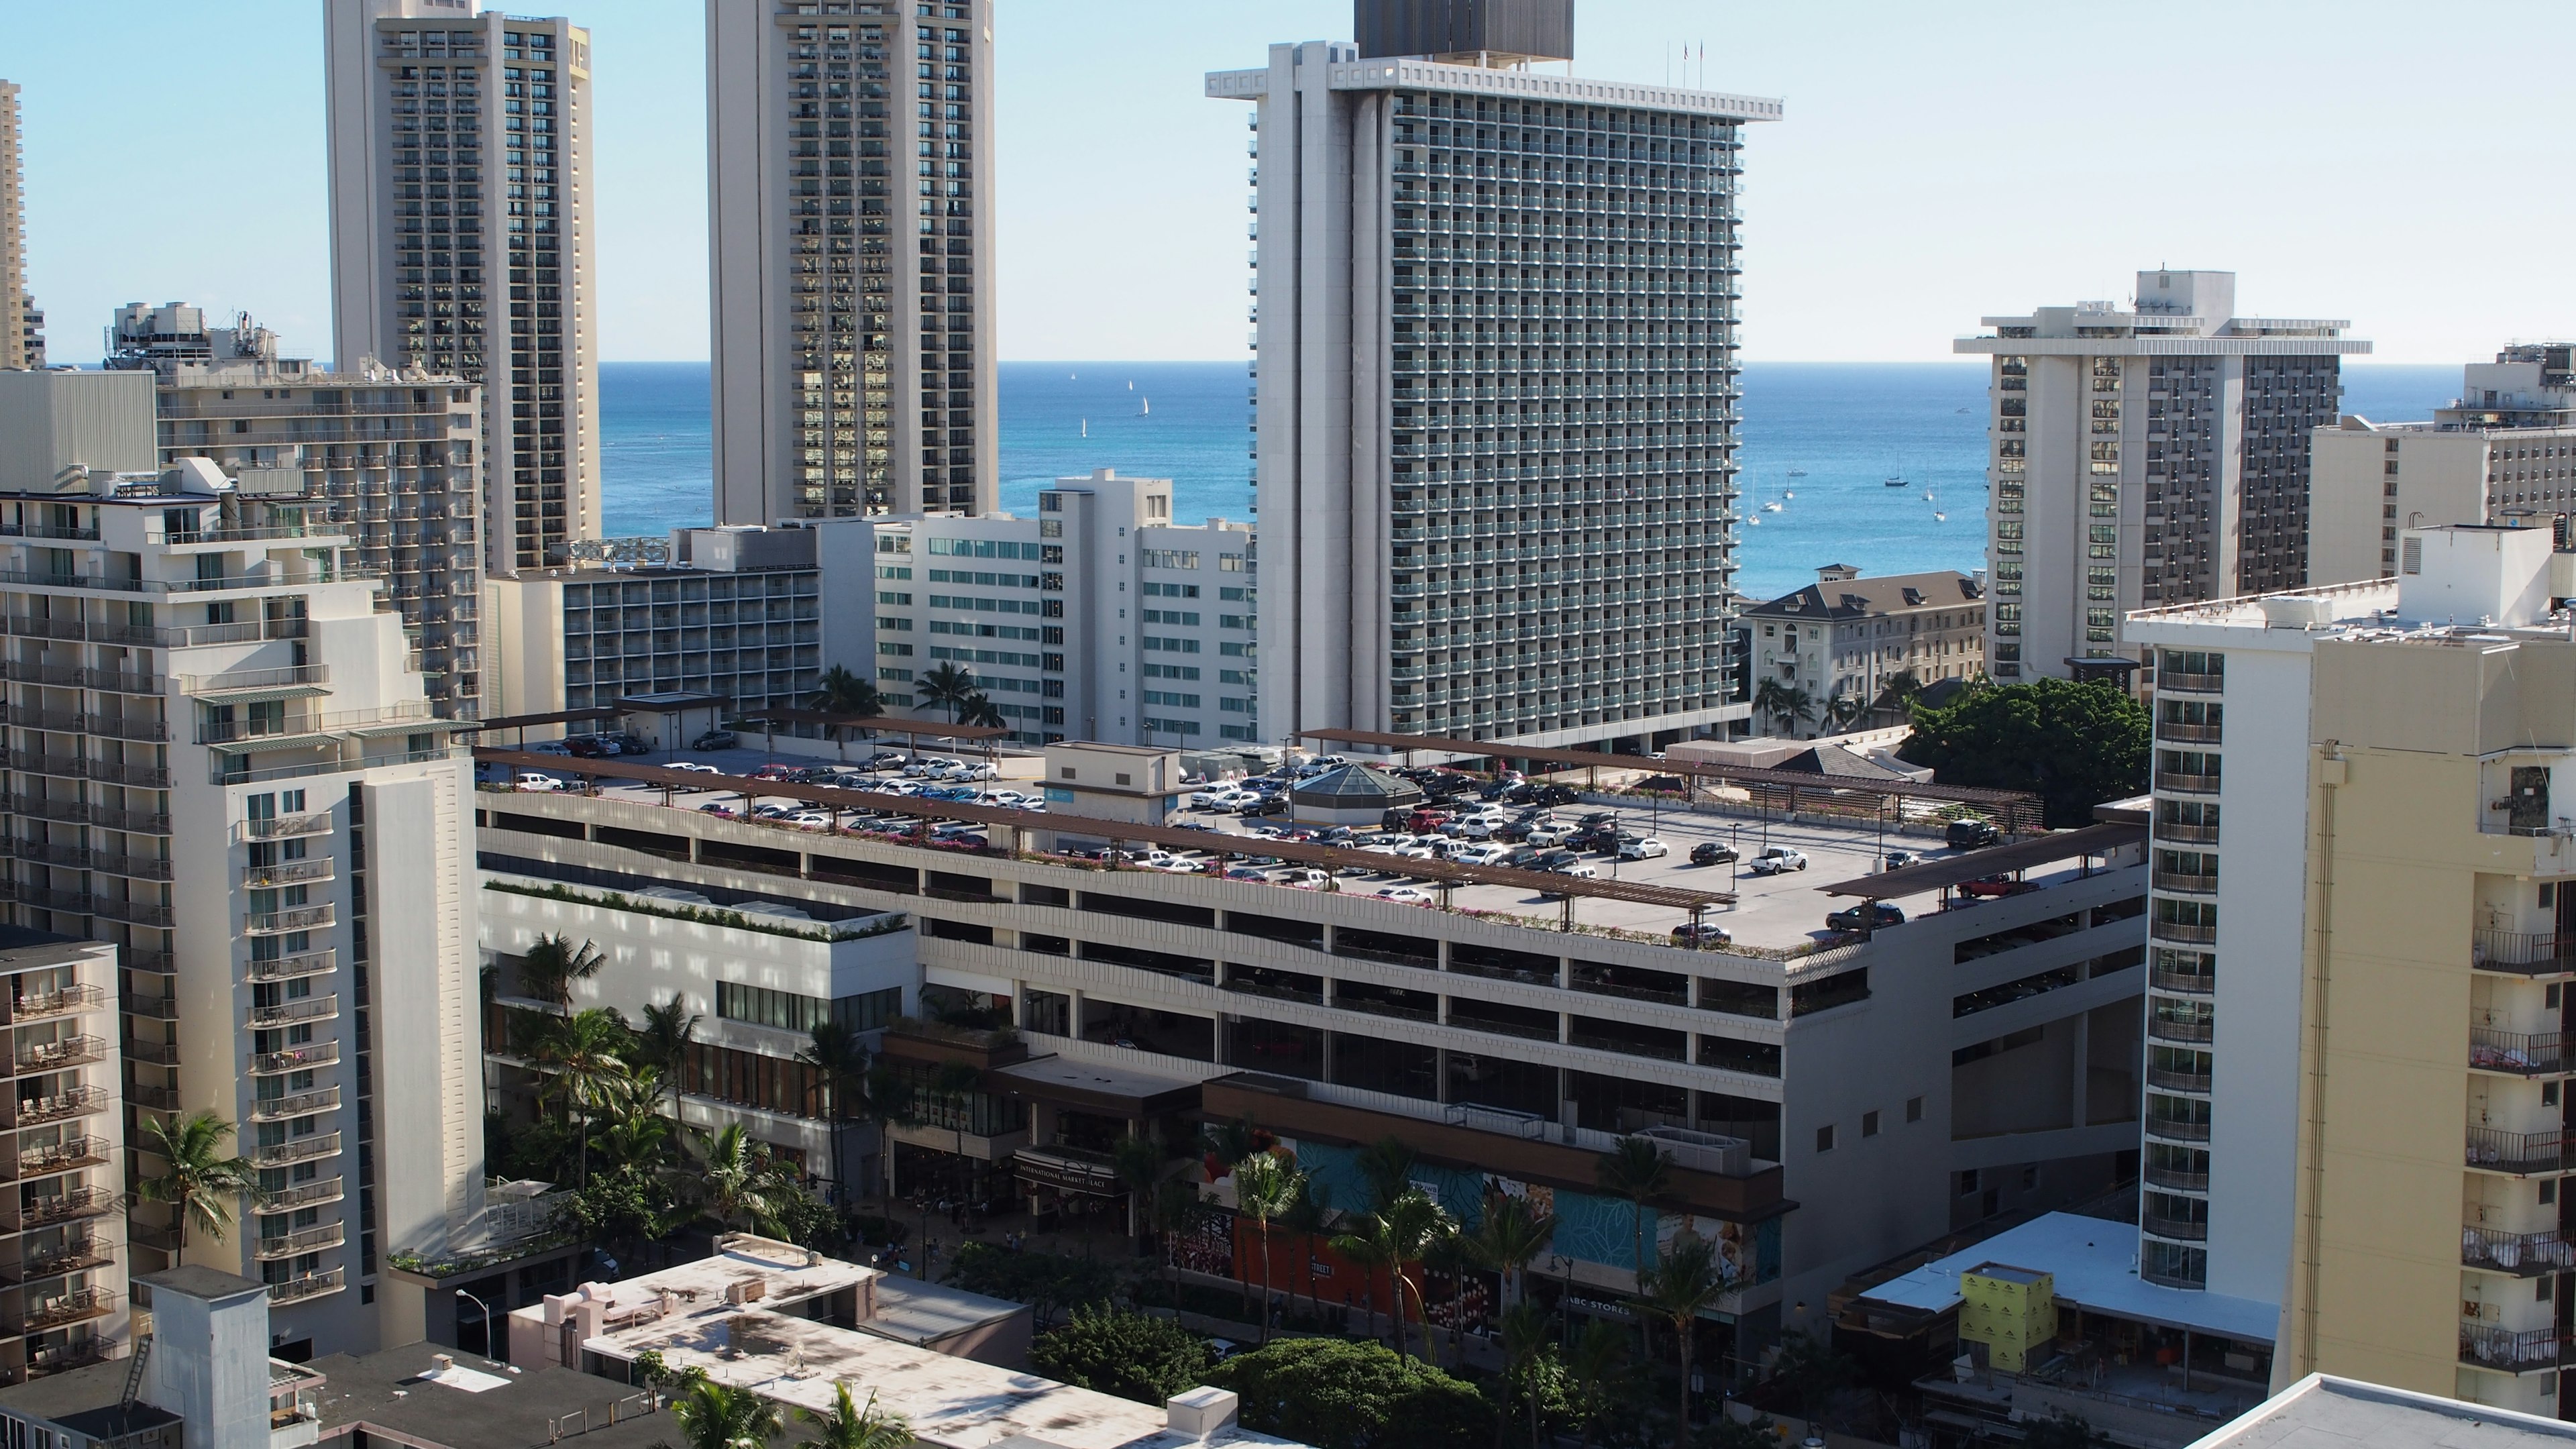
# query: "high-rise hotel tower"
x,y
850,257
460,241
1496,384
22,327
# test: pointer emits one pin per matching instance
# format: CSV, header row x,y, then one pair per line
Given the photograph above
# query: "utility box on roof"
x,y
2012,1311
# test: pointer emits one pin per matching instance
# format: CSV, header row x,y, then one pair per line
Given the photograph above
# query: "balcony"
x,y
311,1285
2186,782
2183,1230
2521,1154
308,1240
78,1354
2539,1054
278,923
319,1054
2196,734
2183,932
2192,883
302,1104
2174,681
2189,983
2506,1351
2181,1028
288,968
287,872
64,1156
2178,833
2519,953
53,1311
287,1013
301,1149
60,1207
2178,1129
53,1056
303,678
2174,1081
2522,1254
62,1107
71,1257
310,1194
2177,1179
58,1003
280,826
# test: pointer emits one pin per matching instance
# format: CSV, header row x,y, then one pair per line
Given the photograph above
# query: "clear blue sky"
x,y
2386,163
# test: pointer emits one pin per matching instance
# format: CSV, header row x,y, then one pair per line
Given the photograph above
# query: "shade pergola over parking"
x,y
2029,853
2014,811
915,730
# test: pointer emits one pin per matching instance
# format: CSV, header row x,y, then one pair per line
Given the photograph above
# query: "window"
x,y
1968,1183
1914,1109
1869,1124
1825,1139
789,1011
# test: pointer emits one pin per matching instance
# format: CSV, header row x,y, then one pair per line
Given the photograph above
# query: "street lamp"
x,y
487,1320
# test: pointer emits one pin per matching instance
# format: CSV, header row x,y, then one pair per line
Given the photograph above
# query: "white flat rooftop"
x,y
2319,1412
2095,1263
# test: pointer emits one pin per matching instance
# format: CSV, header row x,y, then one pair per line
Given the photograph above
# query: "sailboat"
x,y
1797,472
1769,508
1939,517
1927,495
1788,492
1895,482
1148,410
1086,427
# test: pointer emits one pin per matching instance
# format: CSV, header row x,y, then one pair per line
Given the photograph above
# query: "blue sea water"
x,y
1847,427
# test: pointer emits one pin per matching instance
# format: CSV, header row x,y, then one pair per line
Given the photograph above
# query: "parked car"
x,y
542,782
1405,895
590,747
1710,852
1579,869
1646,849
1303,877
1701,933
881,760
1338,835
811,819
1555,795
1900,859
1479,854
1775,859
715,740
1995,887
1971,834
1866,917
695,768
550,747
1546,835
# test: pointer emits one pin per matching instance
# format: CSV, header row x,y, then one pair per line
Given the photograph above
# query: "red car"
x,y
1994,887
774,772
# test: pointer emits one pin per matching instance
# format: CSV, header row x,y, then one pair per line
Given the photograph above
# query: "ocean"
x,y
1820,440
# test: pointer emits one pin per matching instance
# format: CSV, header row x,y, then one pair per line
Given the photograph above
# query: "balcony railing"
x,y
2181,1229
2187,782
2178,1129
2183,931
301,1104
2198,734
2175,681
320,1054
71,1257
2188,882
58,1309
2177,1179
286,676
2523,953
78,1354
64,1156
311,1285
2181,834
2537,1054
302,1149
278,827
308,1194
58,1003
61,1207
2521,1253
2189,983
2174,1081
297,918
52,1056
2510,1352
287,968
62,1106
307,1240
287,1013
2181,1028
287,872
2519,1153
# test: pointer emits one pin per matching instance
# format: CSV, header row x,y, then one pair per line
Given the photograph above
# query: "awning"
x,y
259,694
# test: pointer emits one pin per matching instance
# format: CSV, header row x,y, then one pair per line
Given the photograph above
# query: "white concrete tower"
x,y
850,257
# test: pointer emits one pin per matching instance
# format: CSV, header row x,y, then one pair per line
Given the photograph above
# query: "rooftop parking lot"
x,y
1774,913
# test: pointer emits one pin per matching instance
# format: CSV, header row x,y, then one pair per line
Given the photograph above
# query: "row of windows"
x,y
789,1011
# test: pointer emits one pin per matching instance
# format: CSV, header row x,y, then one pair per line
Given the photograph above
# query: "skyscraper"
x,y
1496,386
2144,456
461,242
22,327
850,257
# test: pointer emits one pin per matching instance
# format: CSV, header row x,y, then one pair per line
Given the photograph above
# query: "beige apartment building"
x,y
2402,1186
850,232
22,327
2505,448
1844,640
461,241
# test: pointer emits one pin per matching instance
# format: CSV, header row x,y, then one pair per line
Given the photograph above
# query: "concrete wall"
x,y
50,421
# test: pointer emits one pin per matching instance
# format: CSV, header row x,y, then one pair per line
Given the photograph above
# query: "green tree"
x,y
197,1181
1387,1166
1175,1204
979,710
1264,1189
1898,692
553,964
845,693
1450,1258
1594,1367
665,1037
1784,703
948,687
1309,1217
1529,1351
839,1057
710,1415
1512,1235
584,1057
1640,1171
847,1426
2074,745
1394,1238
1138,1164
1132,1355
1685,1280
733,1176
1047,1282
1341,1394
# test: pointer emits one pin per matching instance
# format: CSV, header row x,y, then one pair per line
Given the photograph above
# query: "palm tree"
x,y
979,709
711,1415
839,1056
1308,1217
1394,1238
1139,1165
948,687
845,693
847,1426
585,1054
1843,711
1637,1170
1388,1165
1264,1189
1452,1255
1525,1337
1594,1366
665,1038
1686,1280
1512,1234
199,1179
1176,1199
1899,691
733,1174
553,964
1782,701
